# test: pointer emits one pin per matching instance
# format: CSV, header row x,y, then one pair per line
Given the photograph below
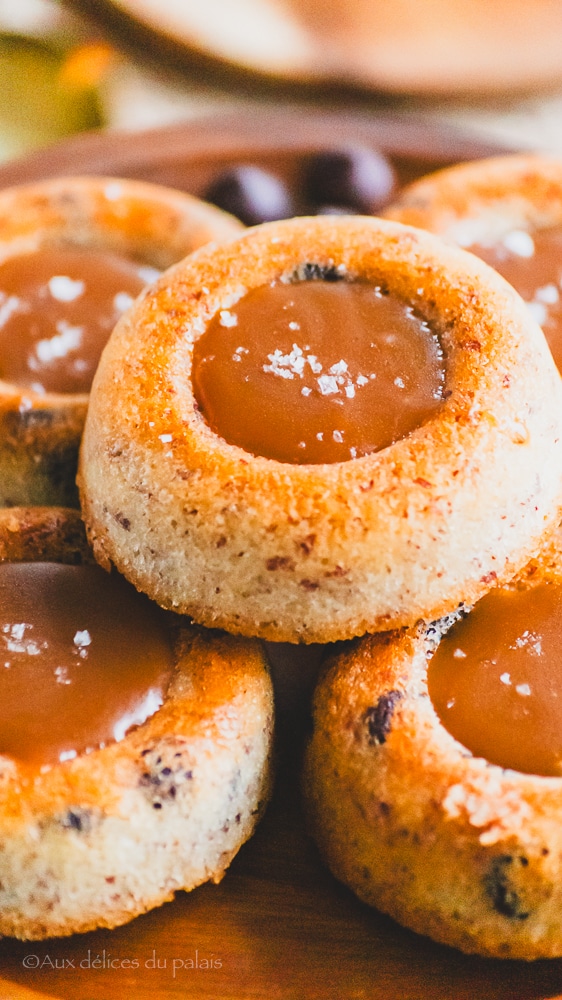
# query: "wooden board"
x,y
278,926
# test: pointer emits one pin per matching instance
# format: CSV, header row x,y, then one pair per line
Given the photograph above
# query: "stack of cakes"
x,y
321,430
339,426
135,748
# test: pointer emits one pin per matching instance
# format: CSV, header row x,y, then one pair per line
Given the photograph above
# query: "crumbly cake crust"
x,y
480,202
99,839
318,553
452,846
40,434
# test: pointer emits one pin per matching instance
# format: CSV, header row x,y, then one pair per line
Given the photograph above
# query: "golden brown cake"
x,y
99,835
330,549
508,211
130,223
422,825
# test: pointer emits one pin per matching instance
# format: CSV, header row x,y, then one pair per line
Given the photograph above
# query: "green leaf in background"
x,y
46,93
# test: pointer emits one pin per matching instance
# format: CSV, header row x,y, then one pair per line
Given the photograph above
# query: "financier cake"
x,y
508,211
433,778
74,253
134,747
324,427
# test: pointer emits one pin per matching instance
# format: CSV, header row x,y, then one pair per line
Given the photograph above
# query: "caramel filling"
x,y
317,371
83,657
532,263
58,306
496,679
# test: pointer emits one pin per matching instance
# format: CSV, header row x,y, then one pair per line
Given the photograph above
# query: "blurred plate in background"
x,y
188,155
402,46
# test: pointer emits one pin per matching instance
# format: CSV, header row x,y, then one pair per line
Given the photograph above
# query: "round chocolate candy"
x,y
356,177
251,194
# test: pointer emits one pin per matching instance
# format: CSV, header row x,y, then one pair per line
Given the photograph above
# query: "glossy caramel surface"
x,y
58,306
532,263
83,657
496,679
317,371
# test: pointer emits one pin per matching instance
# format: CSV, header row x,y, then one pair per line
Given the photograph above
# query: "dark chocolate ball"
x,y
251,194
355,177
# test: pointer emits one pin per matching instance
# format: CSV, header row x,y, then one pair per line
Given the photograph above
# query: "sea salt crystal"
x,y
519,242
64,289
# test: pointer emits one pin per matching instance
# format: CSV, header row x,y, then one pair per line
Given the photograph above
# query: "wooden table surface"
x,y
278,926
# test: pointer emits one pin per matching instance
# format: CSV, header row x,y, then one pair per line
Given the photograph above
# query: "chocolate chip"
x,y
279,562
77,819
307,544
317,272
251,194
379,717
161,780
352,176
501,891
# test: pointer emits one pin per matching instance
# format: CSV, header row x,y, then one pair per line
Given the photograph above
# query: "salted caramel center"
x,y
317,371
532,263
83,658
496,679
58,306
